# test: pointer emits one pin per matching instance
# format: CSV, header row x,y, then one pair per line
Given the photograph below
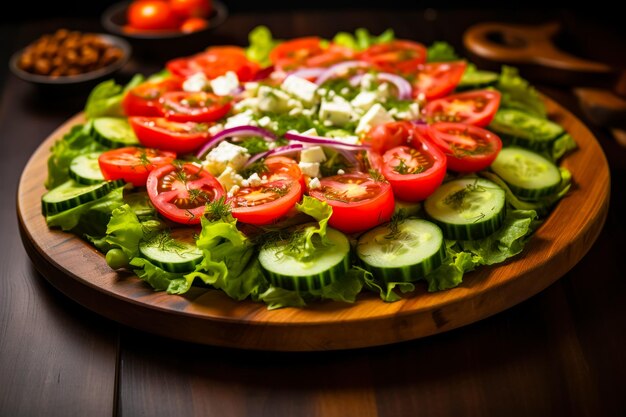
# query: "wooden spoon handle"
x,y
524,44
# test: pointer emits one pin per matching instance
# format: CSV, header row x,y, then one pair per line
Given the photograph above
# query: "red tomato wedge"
x,y
414,171
474,107
282,168
201,107
468,148
215,61
133,164
266,203
437,79
359,201
293,54
399,56
158,132
180,192
389,135
143,100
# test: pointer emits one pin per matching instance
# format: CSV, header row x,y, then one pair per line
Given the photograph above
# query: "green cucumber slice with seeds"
x,y
114,132
528,174
525,130
84,169
71,194
402,252
172,251
467,208
329,264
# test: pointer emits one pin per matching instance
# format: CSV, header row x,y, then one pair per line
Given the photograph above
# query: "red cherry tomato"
x,y
158,132
151,15
191,8
399,56
474,107
194,24
359,201
282,168
180,192
389,135
216,61
437,79
266,203
415,171
468,148
143,100
133,164
201,107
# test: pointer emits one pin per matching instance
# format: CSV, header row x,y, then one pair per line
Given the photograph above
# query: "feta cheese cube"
x,y
254,180
229,178
338,111
225,84
364,100
351,140
300,88
312,169
312,154
234,189
340,172
195,83
265,121
226,154
309,132
249,103
241,119
215,129
314,183
376,115
273,100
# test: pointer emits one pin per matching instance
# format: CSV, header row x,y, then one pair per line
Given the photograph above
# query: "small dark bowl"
x,y
167,44
74,84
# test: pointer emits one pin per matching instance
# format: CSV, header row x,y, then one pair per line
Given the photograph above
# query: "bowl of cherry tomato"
x,y
162,29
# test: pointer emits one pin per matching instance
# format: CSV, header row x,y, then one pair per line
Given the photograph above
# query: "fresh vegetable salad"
x,y
300,170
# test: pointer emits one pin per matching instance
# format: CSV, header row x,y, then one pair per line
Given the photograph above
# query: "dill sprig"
x,y
376,175
394,225
457,199
217,209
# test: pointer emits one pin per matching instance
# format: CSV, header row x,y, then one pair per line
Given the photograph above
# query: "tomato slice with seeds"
x,y
389,135
468,148
399,56
437,79
215,61
359,201
414,171
180,192
143,100
132,164
158,132
282,168
294,53
201,107
265,203
474,107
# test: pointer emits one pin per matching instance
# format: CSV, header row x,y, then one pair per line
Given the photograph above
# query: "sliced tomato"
x,y
180,192
133,164
158,132
201,107
266,203
468,148
399,56
359,201
282,168
389,135
215,61
330,55
294,53
474,107
437,79
143,100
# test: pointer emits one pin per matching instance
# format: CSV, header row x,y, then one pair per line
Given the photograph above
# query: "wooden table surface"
x,y
558,353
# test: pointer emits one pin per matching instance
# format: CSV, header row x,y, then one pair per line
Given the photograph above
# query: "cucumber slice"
x,y
84,169
525,130
328,265
477,79
528,174
174,251
402,252
71,194
114,132
467,208
407,208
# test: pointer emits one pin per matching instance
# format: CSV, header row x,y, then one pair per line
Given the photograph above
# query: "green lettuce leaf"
x,y
561,146
77,141
276,297
106,98
159,279
320,211
261,44
362,39
386,291
518,94
441,52
89,218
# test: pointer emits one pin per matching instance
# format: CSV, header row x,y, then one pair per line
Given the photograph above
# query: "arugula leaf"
x,y
261,44
441,52
518,94
106,98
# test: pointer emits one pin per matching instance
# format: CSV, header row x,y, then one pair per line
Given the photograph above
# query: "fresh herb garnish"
x,y
457,200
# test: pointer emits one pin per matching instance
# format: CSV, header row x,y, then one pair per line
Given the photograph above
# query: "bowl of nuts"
x,y
70,58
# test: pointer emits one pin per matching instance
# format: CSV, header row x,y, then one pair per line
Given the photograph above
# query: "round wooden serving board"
x,y
210,317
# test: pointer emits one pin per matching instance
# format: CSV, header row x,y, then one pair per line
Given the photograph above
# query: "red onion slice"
x,y
308,73
281,150
317,140
338,68
234,131
403,86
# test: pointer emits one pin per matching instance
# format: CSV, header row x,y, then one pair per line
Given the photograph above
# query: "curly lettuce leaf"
x,y
261,44
441,52
362,39
106,98
386,291
159,279
77,141
518,94
276,297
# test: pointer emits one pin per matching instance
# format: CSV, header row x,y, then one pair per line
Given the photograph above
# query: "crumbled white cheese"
x,y
337,111
224,155
309,132
312,154
364,100
340,172
215,129
226,84
229,178
314,183
245,118
375,116
312,169
264,121
233,190
196,83
300,88
273,100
